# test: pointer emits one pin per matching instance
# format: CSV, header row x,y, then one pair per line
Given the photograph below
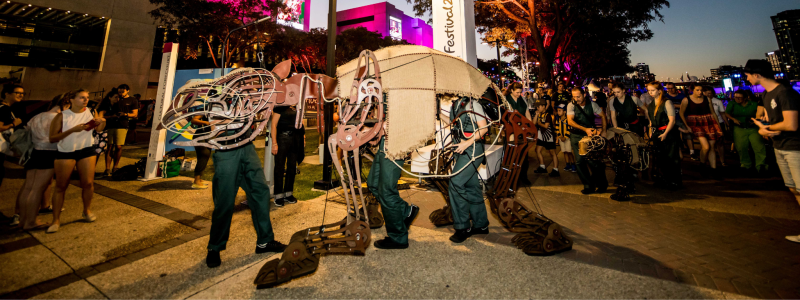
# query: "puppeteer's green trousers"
x,y
466,194
382,182
237,168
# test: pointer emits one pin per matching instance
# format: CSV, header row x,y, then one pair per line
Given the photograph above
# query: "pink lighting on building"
x,y
386,19
297,17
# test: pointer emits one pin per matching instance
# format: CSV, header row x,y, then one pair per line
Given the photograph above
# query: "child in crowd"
x,y
546,138
562,133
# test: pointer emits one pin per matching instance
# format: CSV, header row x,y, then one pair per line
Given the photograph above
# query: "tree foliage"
x,y
588,36
204,24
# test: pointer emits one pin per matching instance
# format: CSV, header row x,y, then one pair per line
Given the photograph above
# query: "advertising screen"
x,y
296,15
396,28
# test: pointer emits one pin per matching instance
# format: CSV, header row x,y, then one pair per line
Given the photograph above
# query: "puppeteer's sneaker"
x,y
460,236
212,259
273,246
411,215
388,243
474,231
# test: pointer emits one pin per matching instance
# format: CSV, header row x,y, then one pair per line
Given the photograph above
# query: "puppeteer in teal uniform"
x,y
466,194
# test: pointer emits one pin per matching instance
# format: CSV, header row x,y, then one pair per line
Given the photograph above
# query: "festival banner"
x,y
454,29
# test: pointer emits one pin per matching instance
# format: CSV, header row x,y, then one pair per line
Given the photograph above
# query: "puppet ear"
x,y
283,69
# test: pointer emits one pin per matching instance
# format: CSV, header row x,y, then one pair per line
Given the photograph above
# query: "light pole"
x,y
327,183
499,62
225,43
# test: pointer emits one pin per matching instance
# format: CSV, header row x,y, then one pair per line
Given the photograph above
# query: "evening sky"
x,y
696,35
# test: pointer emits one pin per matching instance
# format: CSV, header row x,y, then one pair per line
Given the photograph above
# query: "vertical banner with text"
x,y
166,81
454,29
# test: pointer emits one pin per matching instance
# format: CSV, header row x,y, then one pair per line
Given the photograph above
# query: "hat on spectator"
x,y
562,106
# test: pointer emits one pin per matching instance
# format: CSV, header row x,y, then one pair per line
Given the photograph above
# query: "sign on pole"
x,y
454,29
163,101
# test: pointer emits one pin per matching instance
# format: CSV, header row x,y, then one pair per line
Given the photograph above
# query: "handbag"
x,y
171,169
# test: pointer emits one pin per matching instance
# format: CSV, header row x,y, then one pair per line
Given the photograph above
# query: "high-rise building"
x,y
386,19
774,58
642,70
65,44
786,25
727,71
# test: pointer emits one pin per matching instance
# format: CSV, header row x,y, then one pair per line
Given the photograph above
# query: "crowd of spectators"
x,y
67,134
695,120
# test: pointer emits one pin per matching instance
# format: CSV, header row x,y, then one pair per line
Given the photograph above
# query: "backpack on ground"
x,y
130,172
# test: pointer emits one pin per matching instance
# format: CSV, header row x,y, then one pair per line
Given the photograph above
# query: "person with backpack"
x,y
73,130
39,168
11,94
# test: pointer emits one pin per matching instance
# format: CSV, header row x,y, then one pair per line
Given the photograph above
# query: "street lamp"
x,y
499,64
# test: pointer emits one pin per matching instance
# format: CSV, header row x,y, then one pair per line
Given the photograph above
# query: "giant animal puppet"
x,y
398,92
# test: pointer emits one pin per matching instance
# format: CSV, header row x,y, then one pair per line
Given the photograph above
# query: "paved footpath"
x,y
711,240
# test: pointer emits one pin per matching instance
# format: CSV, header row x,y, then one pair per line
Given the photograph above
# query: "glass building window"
x,y
35,36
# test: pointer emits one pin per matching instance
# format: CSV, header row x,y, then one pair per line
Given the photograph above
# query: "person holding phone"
x,y
73,130
782,104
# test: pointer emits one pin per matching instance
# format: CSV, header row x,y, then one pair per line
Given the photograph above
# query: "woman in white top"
x,y
73,130
39,167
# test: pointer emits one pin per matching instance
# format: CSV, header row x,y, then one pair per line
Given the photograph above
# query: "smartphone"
x,y
92,125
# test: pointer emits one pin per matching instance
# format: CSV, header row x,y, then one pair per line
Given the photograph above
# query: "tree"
x,y
561,30
205,23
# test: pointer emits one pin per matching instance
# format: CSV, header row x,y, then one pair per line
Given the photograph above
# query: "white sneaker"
x,y
53,228
89,218
793,238
14,221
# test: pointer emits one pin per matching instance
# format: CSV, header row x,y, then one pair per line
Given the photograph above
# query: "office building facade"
x,y
786,25
59,45
386,19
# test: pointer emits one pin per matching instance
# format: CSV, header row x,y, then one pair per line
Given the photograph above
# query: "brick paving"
x,y
734,253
